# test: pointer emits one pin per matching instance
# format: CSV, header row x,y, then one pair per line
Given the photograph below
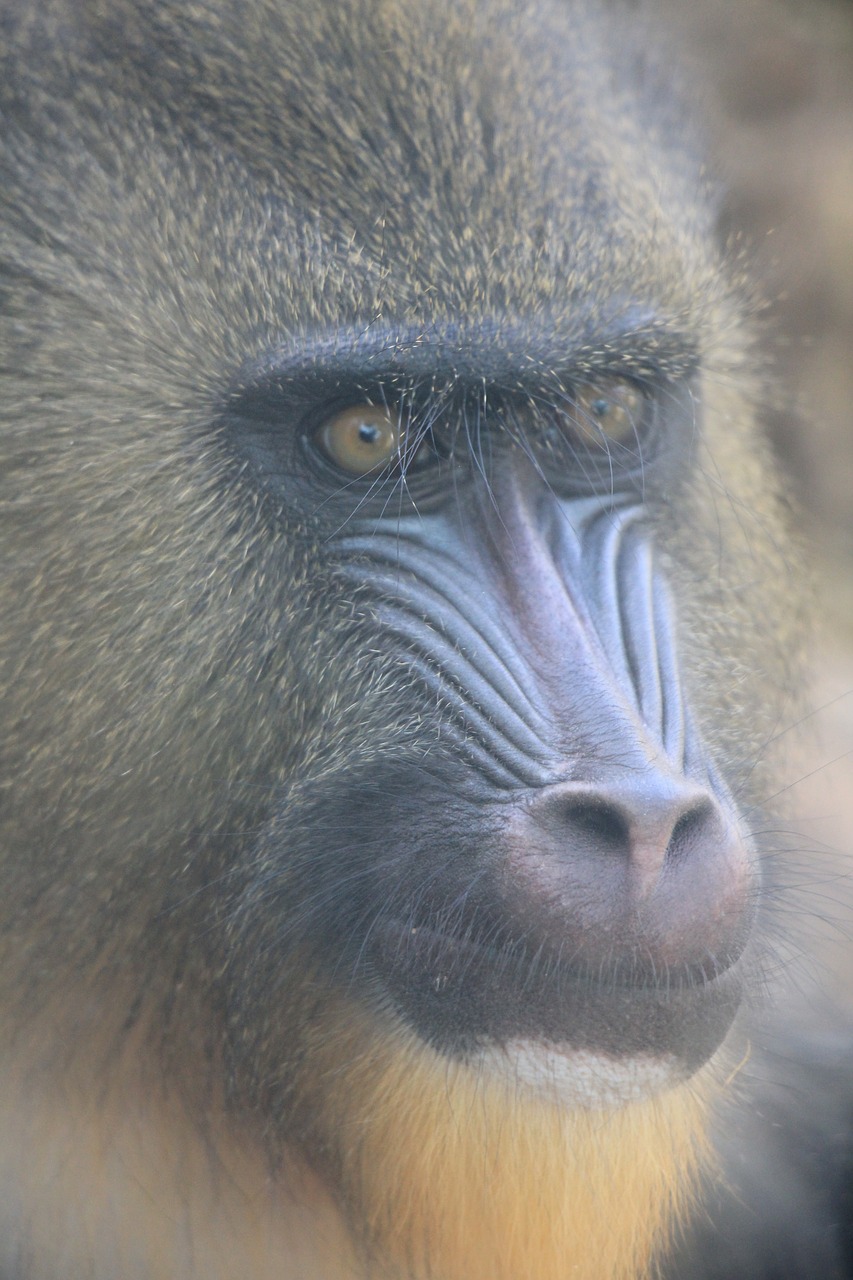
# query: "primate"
x,y
393,638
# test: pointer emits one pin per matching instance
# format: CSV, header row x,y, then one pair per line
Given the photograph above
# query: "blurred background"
x,y
779,80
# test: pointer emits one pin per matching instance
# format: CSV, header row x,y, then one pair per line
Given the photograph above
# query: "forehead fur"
x,y
488,156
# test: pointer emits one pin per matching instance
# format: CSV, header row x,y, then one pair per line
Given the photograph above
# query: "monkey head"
x,y
393,618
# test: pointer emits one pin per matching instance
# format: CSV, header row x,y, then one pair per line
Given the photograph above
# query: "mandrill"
x,y
392,632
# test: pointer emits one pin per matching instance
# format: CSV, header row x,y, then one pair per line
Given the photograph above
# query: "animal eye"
x,y
608,412
361,438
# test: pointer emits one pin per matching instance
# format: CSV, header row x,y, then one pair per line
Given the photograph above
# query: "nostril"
x,y
651,822
693,829
599,826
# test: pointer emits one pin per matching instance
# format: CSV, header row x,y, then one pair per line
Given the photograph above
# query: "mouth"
x,y
468,997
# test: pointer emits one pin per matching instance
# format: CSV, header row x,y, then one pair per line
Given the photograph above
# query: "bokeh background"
x,y
778,75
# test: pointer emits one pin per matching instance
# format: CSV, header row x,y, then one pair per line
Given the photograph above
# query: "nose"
x,y
650,823
640,868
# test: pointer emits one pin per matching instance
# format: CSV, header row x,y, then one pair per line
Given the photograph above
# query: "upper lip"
x,y
527,963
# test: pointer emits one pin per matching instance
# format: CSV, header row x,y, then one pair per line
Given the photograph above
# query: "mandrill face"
x,y
394,640
559,887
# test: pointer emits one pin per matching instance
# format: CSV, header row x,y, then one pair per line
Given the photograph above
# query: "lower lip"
x,y
602,1043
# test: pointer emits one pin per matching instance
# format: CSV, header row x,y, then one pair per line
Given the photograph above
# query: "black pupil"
x,y
600,408
368,433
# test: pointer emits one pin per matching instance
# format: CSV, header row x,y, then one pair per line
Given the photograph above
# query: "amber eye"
x,y
361,438
605,412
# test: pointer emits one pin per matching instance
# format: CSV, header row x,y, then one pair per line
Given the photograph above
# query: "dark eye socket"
x,y
607,413
599,434
610,412
587,427
381,438
362,438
